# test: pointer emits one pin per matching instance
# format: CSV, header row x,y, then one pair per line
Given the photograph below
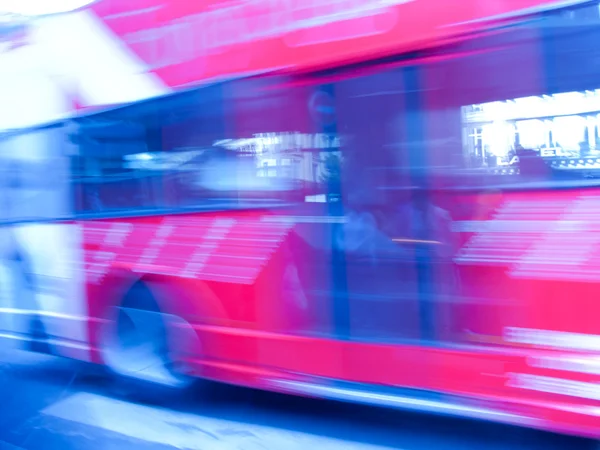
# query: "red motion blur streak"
x,y
185,41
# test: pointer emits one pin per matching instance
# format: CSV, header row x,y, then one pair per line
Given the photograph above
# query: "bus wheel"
x,y
135,347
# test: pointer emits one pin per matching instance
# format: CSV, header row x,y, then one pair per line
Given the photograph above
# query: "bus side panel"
x,y
217,271
525,328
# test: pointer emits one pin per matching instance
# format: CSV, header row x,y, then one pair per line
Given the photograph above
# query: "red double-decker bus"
x,y
403,216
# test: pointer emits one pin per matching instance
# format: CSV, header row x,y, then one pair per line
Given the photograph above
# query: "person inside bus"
x,y
428,226
421,221
531,164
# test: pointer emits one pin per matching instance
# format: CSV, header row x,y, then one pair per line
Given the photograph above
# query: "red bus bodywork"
x,y
184,43
521,354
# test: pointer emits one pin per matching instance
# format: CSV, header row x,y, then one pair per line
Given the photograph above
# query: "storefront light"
x,y
497,136
569,131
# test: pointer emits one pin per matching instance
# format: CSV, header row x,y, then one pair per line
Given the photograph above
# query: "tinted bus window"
x,y
472,81
519,105
112,170
288,133
178,152
210,165
508,118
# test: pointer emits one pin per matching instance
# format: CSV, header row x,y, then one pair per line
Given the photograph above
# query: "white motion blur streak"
x,y
70,57
28,97
91,62
42,7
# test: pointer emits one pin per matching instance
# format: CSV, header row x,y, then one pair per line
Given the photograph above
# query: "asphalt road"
x,y
49,403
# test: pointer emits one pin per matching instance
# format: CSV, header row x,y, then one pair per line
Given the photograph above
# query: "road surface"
x,y
49,403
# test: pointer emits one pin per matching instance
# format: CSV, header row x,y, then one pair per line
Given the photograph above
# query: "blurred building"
x,y
564,124
299,156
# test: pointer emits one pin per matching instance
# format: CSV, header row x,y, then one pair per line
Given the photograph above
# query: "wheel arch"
x,y
188,300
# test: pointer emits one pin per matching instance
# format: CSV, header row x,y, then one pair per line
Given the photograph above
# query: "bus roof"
x,y
223,40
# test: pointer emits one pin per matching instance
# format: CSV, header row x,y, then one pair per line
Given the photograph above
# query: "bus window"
x,y
173,153
537,123
498,144
108,171
212,164
278,131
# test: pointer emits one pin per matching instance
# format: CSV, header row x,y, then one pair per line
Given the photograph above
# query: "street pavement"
x,y
49,403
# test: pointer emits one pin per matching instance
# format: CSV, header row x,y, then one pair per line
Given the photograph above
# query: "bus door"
x,y
348,294
379,289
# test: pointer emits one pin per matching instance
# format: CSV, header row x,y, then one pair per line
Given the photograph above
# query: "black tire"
x,y
136,351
